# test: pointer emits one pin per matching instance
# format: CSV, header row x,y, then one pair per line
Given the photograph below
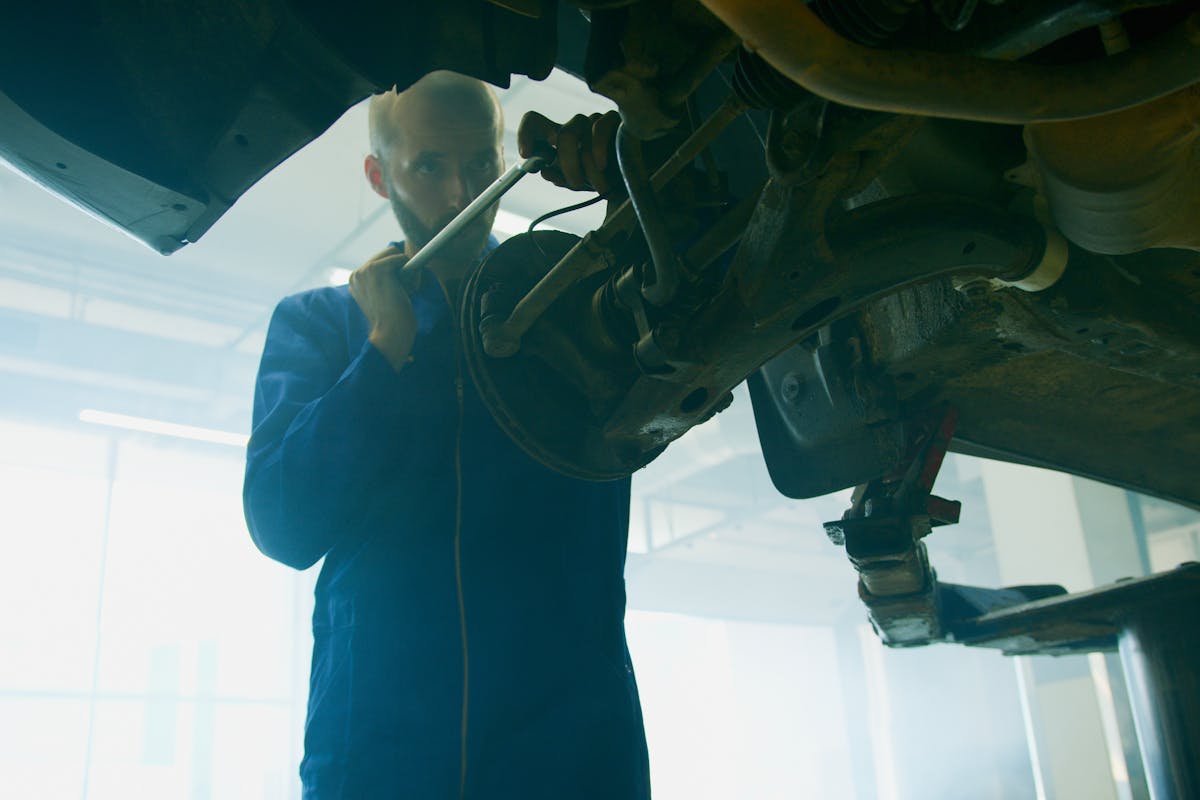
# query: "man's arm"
x,y
324,431
376,288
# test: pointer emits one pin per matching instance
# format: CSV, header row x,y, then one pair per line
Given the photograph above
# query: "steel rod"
x,y
472,212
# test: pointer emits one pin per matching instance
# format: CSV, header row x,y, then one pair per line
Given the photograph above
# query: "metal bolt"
x,y
790,387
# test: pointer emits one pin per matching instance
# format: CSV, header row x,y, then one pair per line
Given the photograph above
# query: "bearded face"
x,y
418,232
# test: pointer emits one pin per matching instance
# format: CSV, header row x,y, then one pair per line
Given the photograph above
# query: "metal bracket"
x,y
882,533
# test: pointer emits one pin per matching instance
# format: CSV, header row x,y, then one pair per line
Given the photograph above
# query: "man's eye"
x,y
427,167
482,163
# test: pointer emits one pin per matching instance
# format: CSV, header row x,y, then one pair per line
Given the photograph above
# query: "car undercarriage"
x,y
912,228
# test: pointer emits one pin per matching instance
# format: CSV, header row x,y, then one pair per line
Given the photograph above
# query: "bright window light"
x,y
339,276
510,224
162,428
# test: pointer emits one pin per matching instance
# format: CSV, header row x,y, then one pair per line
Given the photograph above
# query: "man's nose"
x,y
459,191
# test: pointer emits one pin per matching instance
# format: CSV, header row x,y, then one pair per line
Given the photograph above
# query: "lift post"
x,y
1151,621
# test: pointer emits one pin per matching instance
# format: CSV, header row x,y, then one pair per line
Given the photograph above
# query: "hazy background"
x,y
147,650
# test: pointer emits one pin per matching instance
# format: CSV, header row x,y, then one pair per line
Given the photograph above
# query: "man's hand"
x,y
584,146
375,286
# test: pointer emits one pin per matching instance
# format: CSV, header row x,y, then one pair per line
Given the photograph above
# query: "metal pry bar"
x,y
480,204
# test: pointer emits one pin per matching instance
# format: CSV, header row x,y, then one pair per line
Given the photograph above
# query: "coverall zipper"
x,y
458,513
458,576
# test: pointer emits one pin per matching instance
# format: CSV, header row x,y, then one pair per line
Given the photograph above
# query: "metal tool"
x,y
480,204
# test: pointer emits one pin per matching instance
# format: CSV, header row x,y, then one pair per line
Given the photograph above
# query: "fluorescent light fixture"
x,y
162,428
339,276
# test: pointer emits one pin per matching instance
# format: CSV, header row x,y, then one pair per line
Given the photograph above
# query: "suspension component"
x,y
869,22
591,254
795,41
759,85
883,532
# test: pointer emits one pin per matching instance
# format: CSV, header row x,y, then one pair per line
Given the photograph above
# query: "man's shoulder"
x,y
322,297
324,311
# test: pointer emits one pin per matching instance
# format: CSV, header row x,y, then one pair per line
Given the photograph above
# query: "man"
x,y
469,637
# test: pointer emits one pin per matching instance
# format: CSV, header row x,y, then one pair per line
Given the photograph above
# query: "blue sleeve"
x,y
323,431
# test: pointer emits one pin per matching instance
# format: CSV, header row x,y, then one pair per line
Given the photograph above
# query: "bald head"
x,y
441,103
434,148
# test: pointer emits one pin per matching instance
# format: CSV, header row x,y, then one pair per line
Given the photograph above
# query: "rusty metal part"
x,y
883,531
552,395
817,137
578,361
775,293
1124,182
1112,347
649,58
715,50
874,252
590,255
721,235
793,40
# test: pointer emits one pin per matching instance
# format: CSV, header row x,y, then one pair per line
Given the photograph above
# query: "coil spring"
x,y
868,22
759,85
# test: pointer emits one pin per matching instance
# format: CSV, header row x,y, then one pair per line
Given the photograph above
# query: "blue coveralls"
x,y
486,652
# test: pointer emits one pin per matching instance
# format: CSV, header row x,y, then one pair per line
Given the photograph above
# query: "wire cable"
x,y
558,212
564,210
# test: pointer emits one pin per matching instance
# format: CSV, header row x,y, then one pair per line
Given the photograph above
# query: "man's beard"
x,y
462,250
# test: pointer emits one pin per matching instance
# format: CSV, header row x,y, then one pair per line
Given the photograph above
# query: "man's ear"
x,y
374,172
